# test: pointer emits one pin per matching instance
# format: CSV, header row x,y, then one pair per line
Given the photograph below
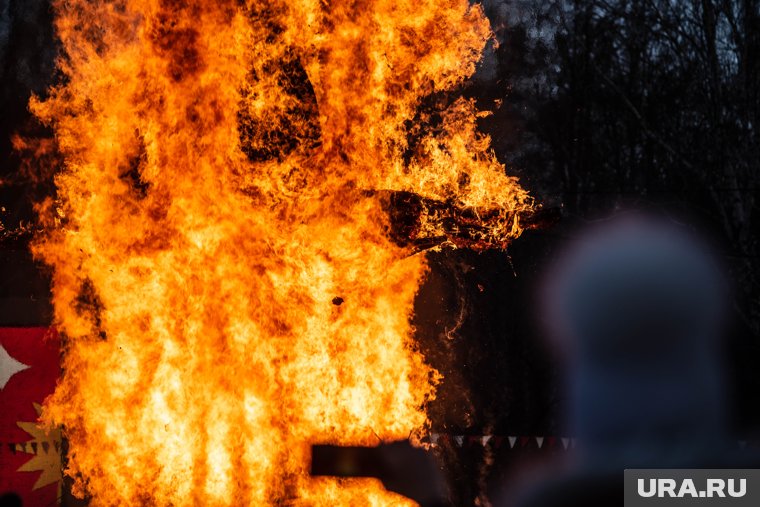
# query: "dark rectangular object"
x,y
340,461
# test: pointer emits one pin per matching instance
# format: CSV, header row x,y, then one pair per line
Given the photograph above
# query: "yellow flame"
x,y
217,195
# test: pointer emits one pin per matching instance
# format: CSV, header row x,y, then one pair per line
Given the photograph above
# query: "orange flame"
x,y
218,201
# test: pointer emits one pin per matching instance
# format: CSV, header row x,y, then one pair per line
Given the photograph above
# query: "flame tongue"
x,y
214,206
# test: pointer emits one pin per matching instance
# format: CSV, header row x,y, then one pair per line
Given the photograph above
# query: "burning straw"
x,y
221,187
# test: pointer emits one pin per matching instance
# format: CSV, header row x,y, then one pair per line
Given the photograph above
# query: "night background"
x,y
598,106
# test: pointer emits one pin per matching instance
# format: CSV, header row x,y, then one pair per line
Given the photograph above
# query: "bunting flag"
x,y
30,458
514,441
542,443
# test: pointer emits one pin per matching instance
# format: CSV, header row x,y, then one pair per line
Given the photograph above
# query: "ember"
x,y
230,167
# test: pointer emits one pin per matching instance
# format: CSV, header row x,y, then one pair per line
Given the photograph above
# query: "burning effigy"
x,y
235,241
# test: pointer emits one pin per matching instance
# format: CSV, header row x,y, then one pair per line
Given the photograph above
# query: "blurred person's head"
x,y
637,306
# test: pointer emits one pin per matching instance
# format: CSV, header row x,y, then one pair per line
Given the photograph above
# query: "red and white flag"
x,y
30,458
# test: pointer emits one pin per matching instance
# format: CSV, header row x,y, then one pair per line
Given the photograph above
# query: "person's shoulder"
x,y
576,491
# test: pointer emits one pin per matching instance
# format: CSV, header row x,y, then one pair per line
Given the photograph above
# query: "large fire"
x,y
225,267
